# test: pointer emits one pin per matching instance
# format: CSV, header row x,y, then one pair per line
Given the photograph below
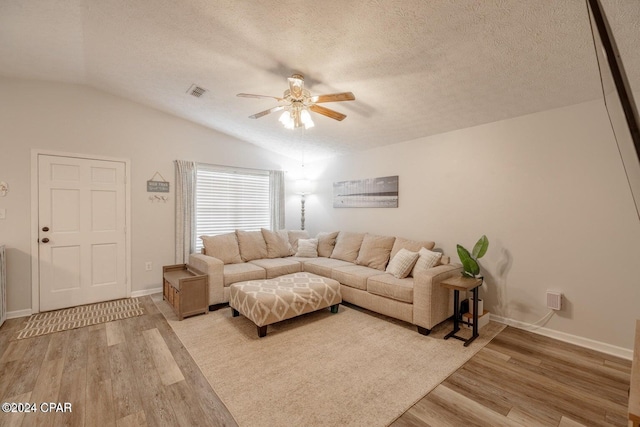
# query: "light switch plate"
x,y
3,213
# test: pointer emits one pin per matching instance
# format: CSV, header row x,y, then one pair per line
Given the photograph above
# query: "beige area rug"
x,y
321,369
77,317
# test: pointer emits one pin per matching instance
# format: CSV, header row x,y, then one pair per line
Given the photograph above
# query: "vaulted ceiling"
x,y
416,67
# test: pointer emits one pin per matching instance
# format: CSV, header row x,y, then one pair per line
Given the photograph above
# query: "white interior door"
x,y
82,231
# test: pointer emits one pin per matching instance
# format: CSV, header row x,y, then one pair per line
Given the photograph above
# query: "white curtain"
x,y
185,209
276,196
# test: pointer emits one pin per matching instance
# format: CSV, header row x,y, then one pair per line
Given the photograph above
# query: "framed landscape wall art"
x,y
366,193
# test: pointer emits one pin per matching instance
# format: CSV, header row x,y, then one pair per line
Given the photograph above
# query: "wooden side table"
x,y
186,289
461,283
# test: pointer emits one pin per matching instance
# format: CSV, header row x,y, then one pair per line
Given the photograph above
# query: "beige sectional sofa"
x,y
371,269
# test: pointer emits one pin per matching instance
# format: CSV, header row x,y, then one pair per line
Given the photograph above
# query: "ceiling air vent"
x,y
196,91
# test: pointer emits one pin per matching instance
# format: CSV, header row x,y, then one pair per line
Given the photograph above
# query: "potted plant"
x,y
470,265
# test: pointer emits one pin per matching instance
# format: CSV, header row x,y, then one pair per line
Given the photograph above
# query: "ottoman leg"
x,y
334,308
262,331
234,312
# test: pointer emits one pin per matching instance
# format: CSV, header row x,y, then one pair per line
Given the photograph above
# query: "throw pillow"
x,y
223,246
307,248
375,251
326,243
402,263
347,246
252,245
426,260
277,243
294,235
410,245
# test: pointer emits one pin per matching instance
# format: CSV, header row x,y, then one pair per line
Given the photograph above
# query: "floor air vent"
x,y
196,91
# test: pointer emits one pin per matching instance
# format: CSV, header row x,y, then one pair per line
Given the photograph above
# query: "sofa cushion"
x,y
389,286
223,246
326,243
374,251
252,245
402,263
277,243
426,260
354,276
277,267
294,235
234,273
347,246
410,245
307,248
323,266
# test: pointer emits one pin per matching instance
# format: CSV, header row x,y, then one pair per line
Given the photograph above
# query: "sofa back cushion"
x,y
410,245
294,235
278,245
252,245
223,246
326,243
347,246
374,251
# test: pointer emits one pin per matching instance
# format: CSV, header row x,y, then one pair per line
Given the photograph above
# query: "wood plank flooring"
x,y
521,378
135,372
132,372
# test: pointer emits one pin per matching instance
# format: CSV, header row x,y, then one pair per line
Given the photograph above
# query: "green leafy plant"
x,y
470,260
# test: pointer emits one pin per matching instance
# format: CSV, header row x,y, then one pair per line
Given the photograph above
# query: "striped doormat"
x,y
77,317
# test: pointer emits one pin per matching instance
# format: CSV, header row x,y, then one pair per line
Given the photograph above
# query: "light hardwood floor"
x,y
135,372
521,378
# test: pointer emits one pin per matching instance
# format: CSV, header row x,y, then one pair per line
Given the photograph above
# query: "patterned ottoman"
x,y
269,301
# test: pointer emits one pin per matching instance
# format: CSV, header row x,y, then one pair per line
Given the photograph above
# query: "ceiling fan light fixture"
x,y
305,117
286,120
298,104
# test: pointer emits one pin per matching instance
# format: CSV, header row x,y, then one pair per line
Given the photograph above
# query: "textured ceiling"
x,y
417,67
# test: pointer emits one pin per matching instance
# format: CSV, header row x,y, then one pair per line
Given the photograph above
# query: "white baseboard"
x,y
19,313
572,339
145,292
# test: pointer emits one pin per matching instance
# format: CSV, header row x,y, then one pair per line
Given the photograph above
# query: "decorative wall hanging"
x,y
157,186
366,193
4,188
157,198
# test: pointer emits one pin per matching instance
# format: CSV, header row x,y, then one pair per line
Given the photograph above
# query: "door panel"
x,y
103,257
65,261
82,203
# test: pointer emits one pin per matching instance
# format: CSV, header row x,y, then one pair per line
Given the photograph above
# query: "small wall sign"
x,y
157,186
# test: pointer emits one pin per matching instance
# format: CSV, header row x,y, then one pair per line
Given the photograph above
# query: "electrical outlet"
x,y
148,266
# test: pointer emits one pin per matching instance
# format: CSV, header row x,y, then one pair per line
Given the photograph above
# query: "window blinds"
x,y
230,199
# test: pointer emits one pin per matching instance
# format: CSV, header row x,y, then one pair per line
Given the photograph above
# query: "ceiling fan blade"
x,y
265,112
296,86
327,112
334,97
251,95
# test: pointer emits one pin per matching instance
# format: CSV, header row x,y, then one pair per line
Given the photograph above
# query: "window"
x,y
229,199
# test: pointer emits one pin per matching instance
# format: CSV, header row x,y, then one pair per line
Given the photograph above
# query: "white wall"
x,y
78,119
549,191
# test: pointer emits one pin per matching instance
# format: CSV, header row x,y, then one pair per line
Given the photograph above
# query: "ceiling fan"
x,y
297,102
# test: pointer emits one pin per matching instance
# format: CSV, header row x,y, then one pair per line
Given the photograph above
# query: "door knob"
x,y
45,228
45,240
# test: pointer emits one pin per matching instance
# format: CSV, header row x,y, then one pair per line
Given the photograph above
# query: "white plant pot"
x,y
480,306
